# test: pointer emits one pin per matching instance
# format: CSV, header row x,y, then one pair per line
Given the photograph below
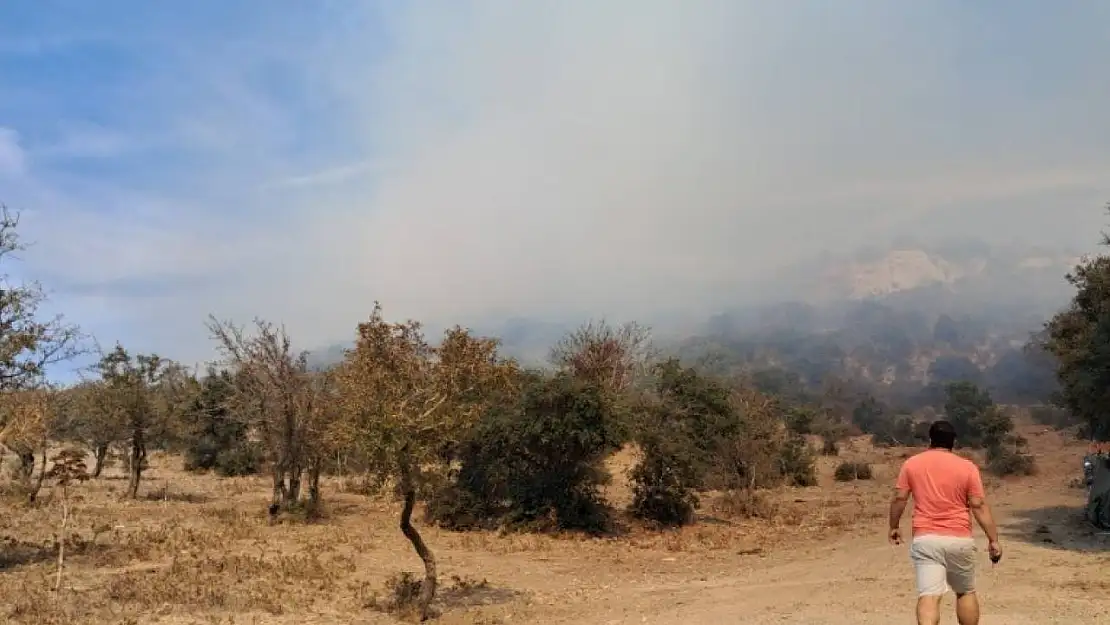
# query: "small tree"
x,y
31,416
280,400
87,416
128,395
611,357
28,343
972,413
173,395
897,430
215,437
533,461
69,468
1077,339
763,452
684,420
406,402
664,482
869,415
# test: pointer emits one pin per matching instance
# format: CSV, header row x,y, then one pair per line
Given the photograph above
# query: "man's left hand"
x,y
895,536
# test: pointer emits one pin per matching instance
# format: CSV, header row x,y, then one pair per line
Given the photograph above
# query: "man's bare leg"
x,y
967,609
928,610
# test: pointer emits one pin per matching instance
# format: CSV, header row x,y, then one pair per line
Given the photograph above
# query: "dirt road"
x,y
1053,572
206,555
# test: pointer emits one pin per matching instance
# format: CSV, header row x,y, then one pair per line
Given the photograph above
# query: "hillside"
x,y
900,317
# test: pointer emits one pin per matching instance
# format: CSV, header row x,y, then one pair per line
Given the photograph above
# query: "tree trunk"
x,y
26,468
101,452
138,457
428,588
294,494
314,483
33,494
62,538
278,474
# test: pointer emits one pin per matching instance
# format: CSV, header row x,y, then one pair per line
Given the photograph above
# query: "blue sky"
x,y
472,159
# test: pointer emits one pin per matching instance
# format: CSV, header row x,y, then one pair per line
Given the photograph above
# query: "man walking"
x,y
947,490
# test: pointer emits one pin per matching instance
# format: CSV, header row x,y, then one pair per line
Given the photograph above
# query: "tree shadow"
x,y
1058,527
467,593
15,553
710,519
182,497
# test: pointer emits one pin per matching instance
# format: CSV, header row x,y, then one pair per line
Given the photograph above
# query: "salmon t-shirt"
x,y
941,483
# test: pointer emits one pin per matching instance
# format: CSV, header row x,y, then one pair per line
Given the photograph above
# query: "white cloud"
x,y
12,161
86,140
544,157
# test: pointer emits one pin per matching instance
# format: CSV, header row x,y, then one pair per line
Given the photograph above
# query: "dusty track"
x,y
862,580
1054,571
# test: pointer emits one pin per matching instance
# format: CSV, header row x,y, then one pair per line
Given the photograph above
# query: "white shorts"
x,y
943,562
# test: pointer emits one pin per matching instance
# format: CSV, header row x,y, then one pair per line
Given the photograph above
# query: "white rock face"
x,y
898,270
906,269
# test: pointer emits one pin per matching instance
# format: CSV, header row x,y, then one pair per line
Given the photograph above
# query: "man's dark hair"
x,y
942,434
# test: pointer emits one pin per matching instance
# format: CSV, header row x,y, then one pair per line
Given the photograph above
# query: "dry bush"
x,y
401,595
1004,461
849,471
746,504
231,582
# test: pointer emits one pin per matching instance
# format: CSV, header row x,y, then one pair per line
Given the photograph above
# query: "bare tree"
x,y
404,401
283,402
613,357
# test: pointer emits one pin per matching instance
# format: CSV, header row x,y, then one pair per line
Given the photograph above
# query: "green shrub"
x,y
798,463
534,463
244,459
1003,461
1053,416
216,439
898,430
663,487
849,471
800,419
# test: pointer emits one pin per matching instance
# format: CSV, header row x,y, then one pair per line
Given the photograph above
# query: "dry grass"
x,y
199,549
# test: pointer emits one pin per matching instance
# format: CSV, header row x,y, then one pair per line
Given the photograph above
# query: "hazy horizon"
x,y
480,160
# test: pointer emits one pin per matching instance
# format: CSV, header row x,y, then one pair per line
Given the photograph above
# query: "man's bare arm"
x,y
984,517
898,507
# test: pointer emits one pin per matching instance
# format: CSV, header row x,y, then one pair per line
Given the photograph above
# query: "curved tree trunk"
x,y
428,588
138,458
101,452
314,469
34,492
26,467
294,492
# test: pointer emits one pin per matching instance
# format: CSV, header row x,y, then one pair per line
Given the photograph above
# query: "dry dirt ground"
x,y
198,549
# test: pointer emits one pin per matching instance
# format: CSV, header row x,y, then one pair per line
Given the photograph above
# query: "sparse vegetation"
x,y
507,458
